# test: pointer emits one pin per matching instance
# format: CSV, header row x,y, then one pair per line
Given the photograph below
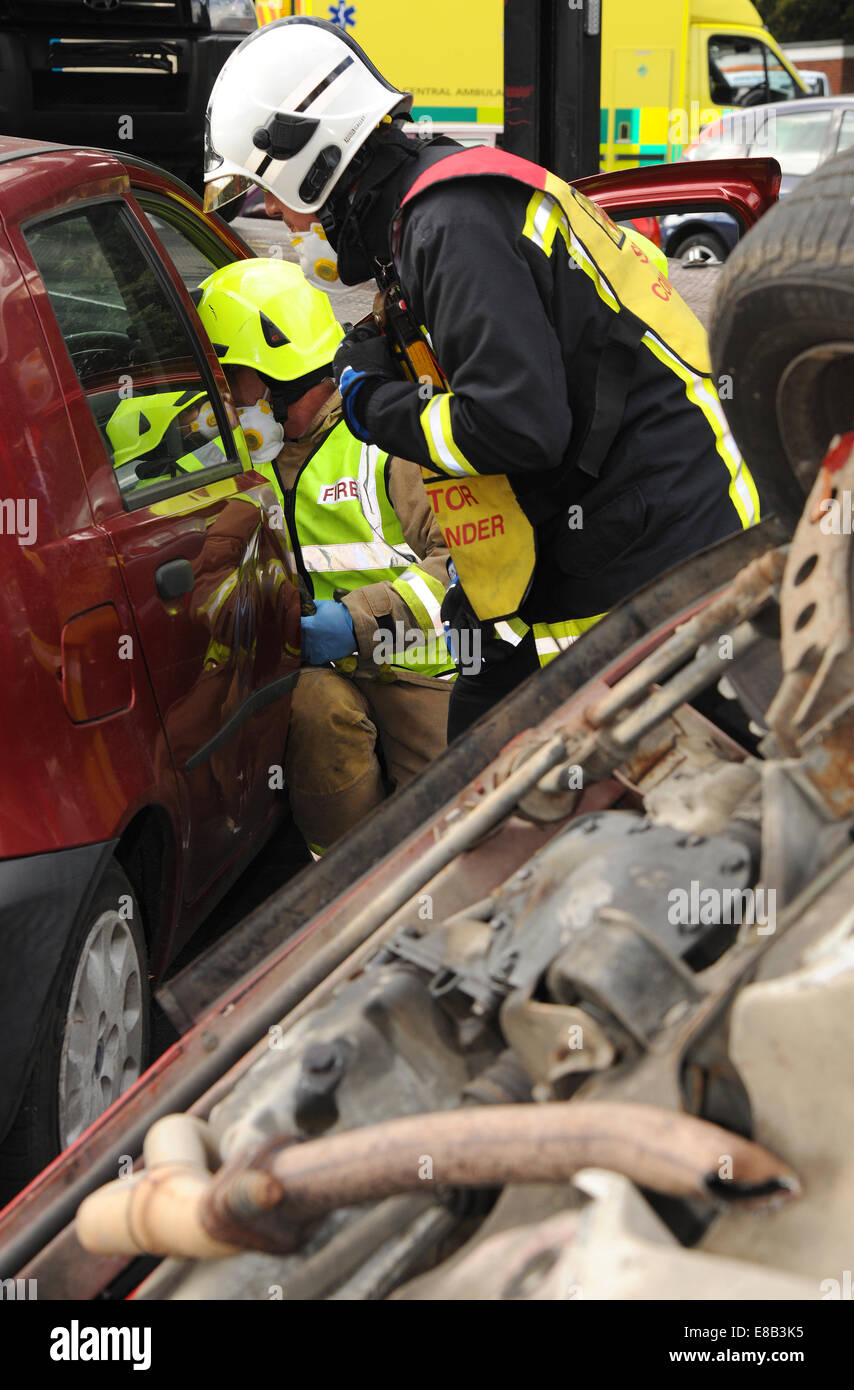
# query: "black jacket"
x,y
519,335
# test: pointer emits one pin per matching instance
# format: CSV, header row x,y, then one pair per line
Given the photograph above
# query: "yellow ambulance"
x,y
671,67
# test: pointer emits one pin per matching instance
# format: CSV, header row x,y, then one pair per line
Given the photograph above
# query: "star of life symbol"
x,y
343,15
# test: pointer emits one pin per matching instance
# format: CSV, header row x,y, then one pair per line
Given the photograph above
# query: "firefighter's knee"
x,y
331,737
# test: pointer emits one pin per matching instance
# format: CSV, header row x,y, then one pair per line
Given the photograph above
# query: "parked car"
x,y
800,136
129,76
701,236
150,631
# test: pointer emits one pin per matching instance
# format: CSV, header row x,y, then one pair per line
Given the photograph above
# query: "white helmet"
x,y
293,104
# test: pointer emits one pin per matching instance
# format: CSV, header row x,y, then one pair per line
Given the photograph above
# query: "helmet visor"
x,y
220,188
225,189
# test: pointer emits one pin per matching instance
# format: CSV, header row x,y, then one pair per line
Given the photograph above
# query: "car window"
x,y
745,72
781,83
846,131
797,139
150,390
192,265
195,249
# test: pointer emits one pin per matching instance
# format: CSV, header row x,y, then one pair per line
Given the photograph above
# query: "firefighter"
x,y
371,706
576,446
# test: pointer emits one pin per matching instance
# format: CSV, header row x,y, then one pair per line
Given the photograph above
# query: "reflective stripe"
x,y
541,212
512,631
436,424
357,541
701,392
551,639
541,226
354,556
432,606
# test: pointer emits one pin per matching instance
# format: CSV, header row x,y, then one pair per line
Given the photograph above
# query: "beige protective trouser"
x,y
332,768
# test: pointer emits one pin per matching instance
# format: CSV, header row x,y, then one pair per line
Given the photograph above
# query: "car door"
x,y
216,619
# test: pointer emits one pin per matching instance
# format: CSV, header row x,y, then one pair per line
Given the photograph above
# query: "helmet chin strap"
x,y
284,394
353,217
333,213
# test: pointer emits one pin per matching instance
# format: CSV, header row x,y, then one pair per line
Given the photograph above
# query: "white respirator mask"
x,y
318,261
263,434
205,425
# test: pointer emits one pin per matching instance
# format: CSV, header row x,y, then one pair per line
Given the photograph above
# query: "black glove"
x,y
363,358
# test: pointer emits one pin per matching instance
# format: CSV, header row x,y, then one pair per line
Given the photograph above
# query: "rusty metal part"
x,y
646,745
337,1250
816,604
663,1150
614,744
748,592
605,750
812,715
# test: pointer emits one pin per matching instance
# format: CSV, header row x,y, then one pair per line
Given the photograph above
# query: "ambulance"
x,y
671,68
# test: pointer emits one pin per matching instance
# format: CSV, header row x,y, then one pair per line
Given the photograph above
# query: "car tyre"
x,y
782,335
97,1033
706,247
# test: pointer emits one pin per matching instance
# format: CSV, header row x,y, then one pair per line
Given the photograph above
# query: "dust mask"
x,y
205,425
263,434
318,262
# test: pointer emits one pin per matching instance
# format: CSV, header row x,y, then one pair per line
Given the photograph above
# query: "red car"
x,y
150,632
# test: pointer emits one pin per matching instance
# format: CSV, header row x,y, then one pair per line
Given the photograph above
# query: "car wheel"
x,y
782,332
96,1041
705,247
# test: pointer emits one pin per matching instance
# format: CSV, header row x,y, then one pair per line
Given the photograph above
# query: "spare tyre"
x,y
782,330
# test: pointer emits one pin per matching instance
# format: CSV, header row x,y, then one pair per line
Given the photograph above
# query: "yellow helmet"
x,y
138,424
263,313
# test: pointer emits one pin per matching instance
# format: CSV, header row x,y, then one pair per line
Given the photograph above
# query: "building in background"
x,y
828,56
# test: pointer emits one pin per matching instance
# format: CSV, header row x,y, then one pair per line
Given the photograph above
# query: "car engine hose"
x,y
663,1150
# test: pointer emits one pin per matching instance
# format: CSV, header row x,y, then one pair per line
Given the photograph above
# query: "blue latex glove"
x,y
327,635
